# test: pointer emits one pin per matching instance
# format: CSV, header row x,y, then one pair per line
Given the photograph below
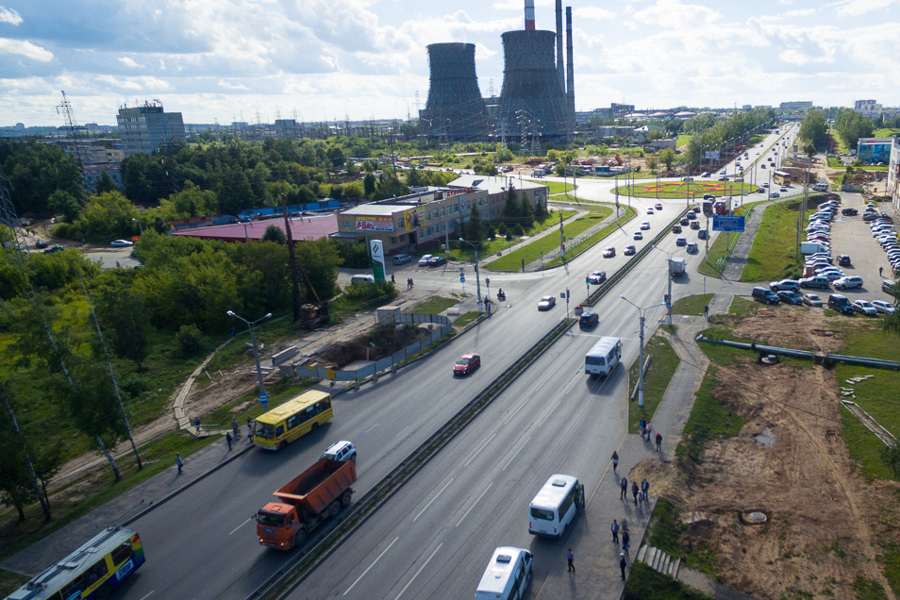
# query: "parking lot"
x,y
852,235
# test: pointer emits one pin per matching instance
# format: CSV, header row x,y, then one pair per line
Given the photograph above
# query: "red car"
x,y
466,364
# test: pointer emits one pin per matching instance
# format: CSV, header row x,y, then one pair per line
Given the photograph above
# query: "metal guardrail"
x,y
293,573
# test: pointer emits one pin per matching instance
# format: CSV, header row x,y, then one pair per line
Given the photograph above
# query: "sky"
x,y
316,60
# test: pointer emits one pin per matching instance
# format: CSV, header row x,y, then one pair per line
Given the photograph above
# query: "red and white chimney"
x,y
529,15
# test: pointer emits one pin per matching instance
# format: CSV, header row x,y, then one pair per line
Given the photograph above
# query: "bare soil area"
x,y
826,522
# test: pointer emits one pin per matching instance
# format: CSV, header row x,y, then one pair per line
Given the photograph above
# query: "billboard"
x,y
711,155
413,219
374,223
728,223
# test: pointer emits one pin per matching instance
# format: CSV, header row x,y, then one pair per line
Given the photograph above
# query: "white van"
x,y
362,279
603,356
507,576
554,507
821,187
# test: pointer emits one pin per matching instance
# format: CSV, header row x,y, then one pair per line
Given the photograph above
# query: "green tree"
x,y
36,170
667,157
474,228
320,262
124,321
16,485
274,234
105,183
852,126
233,192
369,183
527,212
64,203
540,211
189,202
107,216
814,128
512,209
652,163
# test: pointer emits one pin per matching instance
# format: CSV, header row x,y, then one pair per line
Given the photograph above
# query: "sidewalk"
x,y
596,557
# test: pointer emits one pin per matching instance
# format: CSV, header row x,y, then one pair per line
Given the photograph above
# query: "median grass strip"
x,y
435,305
663,363
586,245
773,255
680,189
720,250
533,251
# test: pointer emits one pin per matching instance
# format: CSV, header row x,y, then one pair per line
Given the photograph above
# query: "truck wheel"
x,y
334,509
300,537
282,445
345,499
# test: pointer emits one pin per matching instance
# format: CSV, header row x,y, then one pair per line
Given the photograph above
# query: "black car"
x,y
436,261
41,244
588,319
849,212
764,295
789,297
54,249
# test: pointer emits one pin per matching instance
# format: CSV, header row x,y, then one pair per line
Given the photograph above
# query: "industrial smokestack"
x,y
559,45
529,15
570,64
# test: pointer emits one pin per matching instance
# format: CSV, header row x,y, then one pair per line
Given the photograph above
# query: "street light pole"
x,y
641,359
262,386
668,302
477,277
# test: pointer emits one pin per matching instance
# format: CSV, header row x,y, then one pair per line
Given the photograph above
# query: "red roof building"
x,y
303,229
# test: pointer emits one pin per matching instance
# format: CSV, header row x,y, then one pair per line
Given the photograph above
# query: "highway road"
x,y
201,544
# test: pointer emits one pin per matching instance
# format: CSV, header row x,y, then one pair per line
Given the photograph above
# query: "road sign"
x,y
462,278
728,223
264,399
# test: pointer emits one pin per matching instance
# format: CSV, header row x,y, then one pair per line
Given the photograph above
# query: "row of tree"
x,y
852,126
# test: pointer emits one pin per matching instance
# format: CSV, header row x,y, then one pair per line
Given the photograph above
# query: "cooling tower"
x,y
455,108
532,98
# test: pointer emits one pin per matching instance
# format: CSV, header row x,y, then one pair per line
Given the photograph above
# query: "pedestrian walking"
x,y
706,311
624,485
880,271
228,439
392,278
235,429
178,462
571,558
615,460
412,283
643,427
249,429
626,542
622,564
197,424
634,491
645,487
649,430
615,531
658,442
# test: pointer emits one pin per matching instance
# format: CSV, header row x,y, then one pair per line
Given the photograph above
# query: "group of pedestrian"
x,y
409,283
615,528
646,429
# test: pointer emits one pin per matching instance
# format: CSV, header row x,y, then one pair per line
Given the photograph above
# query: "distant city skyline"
x,y
326,60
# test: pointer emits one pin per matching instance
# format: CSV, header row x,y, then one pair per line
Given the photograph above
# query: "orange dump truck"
x,y
313,496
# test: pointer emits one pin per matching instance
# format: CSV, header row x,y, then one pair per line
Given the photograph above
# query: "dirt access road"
x,y
828,524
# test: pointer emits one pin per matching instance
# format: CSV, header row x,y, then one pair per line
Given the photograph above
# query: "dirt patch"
x,y
826,523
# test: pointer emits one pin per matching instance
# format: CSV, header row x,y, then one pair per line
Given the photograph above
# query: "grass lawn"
x,y
554,187
435,305
683,140
721,249
464,319
464,252
692,305
877,396
708,419
679,189
646,584
588,243
773,253
656,380
885,133
532,251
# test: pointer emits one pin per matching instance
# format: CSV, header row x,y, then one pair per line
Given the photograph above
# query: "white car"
x,y
547,302
645,224
423,262
121,243
884,307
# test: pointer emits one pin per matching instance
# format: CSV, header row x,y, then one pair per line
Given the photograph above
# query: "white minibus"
x,y
603,357
555,506
507,575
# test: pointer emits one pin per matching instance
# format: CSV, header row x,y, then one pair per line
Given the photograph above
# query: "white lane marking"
x,y
370,428
147,596
511,458
424,508
401,431
241,525
512,414
419,571
480,448
383,552
466,514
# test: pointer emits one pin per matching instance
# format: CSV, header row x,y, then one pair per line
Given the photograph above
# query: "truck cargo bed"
x,y
320,485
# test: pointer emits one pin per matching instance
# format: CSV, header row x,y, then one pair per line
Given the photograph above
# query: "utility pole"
x,y
295,277
562,238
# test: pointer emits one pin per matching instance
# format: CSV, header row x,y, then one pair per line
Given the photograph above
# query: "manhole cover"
x,y
764,439
754,517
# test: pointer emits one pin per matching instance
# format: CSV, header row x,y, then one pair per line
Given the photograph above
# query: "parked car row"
x,y
884,233
838,302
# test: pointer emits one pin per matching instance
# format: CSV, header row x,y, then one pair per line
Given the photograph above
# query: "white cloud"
x,y
232,86
672,14
148,85
855,8
130,63
793,14
594,13
10,15
26,49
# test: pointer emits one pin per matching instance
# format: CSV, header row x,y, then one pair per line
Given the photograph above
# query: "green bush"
x,y
355,256
190,340
519,230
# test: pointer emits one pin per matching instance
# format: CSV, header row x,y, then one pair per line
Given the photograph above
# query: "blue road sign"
x,y
462,278
728,223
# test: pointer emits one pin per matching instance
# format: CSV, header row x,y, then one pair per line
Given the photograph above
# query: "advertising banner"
x,y
711,155
413,219
374,223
